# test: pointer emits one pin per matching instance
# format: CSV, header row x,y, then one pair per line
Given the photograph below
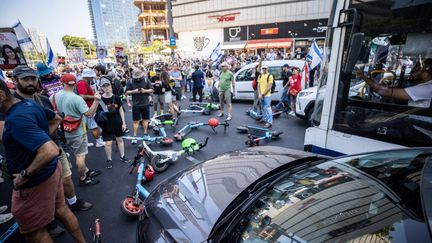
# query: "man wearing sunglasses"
x,y
418,95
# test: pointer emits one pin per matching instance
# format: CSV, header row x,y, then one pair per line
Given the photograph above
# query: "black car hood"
x,y
188,204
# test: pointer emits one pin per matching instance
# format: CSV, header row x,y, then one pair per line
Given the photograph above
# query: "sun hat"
x,y
43,69
88,73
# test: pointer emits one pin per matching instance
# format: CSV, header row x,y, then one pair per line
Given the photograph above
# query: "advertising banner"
x,y
11,53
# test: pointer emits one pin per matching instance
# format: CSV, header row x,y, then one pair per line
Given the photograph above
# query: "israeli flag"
x,y
51,62
22,35
315,55
217,53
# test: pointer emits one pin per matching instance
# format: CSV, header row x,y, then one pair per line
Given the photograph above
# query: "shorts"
x,y
140,112
225,96
66,164
177,95
78,144
110,136
91,123
158,98
34,208
169,98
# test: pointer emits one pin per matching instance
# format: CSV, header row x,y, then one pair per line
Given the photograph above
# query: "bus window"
x,y
390,91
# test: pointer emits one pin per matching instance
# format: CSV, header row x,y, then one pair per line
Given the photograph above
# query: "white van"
x,y
245,76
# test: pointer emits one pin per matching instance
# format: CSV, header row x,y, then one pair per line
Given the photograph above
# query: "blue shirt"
x,y
25,131
198,79
176,74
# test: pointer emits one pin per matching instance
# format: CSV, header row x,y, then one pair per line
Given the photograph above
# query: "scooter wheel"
x,y
167,141
206,112
130,208
242,129
157,166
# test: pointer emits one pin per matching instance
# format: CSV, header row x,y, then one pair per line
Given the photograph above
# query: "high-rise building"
x,y
114,21
153,19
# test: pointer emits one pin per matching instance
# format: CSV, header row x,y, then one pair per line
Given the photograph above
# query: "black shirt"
x,y
141,99
285,77
157,85
198,79
114,105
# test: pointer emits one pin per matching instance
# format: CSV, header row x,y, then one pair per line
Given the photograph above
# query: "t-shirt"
x,y
141,99
83,88
225,79
285,77
71,104
176,74
27,120
420,95
264,82
157,85
198,79
295,82
114,122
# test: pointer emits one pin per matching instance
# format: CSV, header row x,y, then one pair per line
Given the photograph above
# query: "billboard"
x,y
101,52
11,54
75,56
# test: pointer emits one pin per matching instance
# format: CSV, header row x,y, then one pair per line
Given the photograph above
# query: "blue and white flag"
x,y
22,35
315,55
51,62
217,53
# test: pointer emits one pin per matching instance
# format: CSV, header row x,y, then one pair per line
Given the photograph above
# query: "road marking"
x,y
193,160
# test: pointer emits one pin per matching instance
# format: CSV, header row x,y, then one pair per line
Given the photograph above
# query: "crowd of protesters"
x,y
55,107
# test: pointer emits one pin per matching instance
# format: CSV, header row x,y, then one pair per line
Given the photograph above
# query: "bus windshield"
x,y
396,58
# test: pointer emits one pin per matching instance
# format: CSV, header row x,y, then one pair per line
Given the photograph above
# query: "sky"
x,y
53,18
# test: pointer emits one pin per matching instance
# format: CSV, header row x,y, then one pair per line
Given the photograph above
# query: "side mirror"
x,y
354,49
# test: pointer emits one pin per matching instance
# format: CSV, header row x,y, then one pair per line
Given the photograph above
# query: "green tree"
x,y
71,42
155,47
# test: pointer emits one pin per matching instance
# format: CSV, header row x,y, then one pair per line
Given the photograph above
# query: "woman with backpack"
x,y
294,89
110,116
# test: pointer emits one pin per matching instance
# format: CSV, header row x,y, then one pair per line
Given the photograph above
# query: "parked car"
x,y
246,75
267,194
305,103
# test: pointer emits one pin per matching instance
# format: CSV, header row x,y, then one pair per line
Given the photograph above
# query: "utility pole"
x,y
170,25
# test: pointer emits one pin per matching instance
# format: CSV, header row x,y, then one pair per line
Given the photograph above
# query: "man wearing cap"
x,y
49,81
85,90
72,105
284,99
31,157
226,81
265,81
140,89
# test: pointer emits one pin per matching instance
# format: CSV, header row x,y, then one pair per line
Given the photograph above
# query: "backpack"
x,y
273,87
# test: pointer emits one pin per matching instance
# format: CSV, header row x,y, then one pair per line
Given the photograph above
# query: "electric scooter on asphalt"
x,y
158,140
212,122
257,134
275,112
203,108
157,123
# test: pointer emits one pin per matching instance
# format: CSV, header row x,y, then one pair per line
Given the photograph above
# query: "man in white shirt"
x,y
419,95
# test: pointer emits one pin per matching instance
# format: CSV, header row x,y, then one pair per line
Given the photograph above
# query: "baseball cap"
x,y
225,64
286,65
23,71
68,79
43,69
264,66
88,73
104,81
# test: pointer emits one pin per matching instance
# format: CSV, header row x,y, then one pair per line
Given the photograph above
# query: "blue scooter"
x,y
257,134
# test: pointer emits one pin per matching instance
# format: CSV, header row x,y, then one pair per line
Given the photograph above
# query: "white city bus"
x,y
388,41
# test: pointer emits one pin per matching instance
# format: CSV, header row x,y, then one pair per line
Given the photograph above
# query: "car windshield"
x,y
367,198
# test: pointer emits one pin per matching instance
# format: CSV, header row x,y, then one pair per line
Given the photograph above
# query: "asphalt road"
x,y
116,183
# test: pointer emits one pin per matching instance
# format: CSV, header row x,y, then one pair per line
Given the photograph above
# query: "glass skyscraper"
x,y
115,21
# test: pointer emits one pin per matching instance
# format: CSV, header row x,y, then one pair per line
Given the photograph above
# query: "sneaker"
x,y
292,113
268,125
183,97
99,143
134,141
54,230
93,173
109,164
125,160
90,145
80,205
88,181
229,118
221,114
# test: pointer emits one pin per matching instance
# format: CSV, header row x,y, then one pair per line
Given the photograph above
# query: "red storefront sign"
x,y
225,18
270,31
